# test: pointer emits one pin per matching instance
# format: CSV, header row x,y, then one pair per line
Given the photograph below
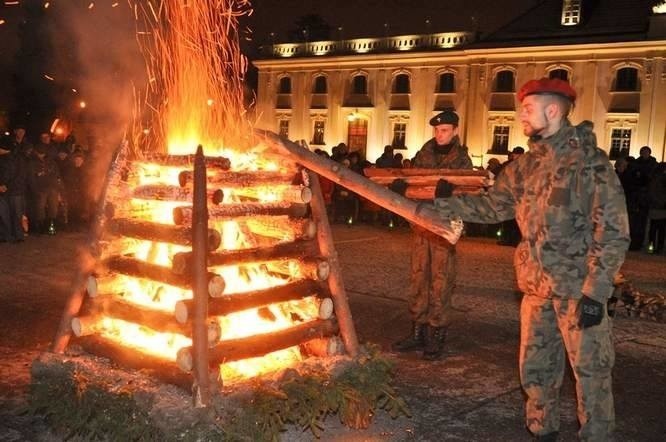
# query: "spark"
x,y
113,5
2,22
46,5
91,5
11,3
48,77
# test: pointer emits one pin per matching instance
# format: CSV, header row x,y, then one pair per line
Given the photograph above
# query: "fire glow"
x,y
195,98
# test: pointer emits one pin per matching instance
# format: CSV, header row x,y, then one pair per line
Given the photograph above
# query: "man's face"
x,y
444,133
45,138
20,133
644,153
533,115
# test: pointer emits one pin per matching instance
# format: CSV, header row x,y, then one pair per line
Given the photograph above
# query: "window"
x,y
399,130
562,74
620,142
360,85
284,128
500,139
320,85
504,81
285,85
626,80
401,84
571,12
446,83
318,132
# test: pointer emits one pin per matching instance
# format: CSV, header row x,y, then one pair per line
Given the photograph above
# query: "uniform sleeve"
x,y
610,230
493,206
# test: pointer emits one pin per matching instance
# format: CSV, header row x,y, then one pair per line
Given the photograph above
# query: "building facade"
x,y
373,92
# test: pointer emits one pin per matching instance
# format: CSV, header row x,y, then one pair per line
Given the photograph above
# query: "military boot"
x,y
415,341
434,346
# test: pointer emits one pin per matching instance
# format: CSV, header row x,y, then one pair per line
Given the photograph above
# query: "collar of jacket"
x,y
556,141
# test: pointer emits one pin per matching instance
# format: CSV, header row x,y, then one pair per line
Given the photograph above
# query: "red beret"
x,y
547,86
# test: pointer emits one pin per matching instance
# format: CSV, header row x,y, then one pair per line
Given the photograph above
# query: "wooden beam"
x,y
183,215
160,232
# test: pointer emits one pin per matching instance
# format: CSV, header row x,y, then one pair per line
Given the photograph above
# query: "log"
x,y
201,392
221,163
335,282
85,325
156,367
243,301
428,192
239,180
183,215
292,194
140,269
326,308
259,345
324,347
467,181
294,250
282,228
91,251
315,268
160,232
421,214
165,192
371,172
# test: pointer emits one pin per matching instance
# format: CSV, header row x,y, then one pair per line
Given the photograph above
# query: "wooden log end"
x,y
91,286
84,325
180,263
184,177
216,286
309,230
214,333
323,270
214,240
326,308
184,359
178,216
181,312
306,195
218,196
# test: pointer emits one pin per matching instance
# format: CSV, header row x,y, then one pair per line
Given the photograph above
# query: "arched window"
x,y
446,83
285,85
562,74
320,85
626,80
504,81
401,84
360,85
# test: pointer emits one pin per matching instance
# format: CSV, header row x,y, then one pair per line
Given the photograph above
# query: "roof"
x,y
603,21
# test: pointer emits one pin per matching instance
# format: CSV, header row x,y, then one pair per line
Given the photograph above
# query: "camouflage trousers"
x,y
548,330
433,276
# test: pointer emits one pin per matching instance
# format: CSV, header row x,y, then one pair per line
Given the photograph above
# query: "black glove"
x,y
590,312
444,189
399,186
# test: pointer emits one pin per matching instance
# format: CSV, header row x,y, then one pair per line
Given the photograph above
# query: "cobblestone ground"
x,y
472,394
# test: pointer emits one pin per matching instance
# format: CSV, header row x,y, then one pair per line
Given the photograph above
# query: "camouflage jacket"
x,y
429,158
571,211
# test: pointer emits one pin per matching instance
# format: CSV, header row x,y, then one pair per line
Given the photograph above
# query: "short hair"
x,y
565,105
646,147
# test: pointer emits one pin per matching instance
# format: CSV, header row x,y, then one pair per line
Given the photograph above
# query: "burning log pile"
x,y
219,284
628,300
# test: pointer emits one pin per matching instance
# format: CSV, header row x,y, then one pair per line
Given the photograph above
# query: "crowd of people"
x,y
43,185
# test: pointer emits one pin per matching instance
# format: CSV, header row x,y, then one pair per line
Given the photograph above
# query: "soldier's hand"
x,y
590,312
444,189
399,186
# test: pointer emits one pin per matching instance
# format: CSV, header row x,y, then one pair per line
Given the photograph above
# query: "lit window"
x,y
401,84
562,74
571,12
500,139
504,81
399,131
360,85
320,85
626,80
620,142
284,128
285,85
318,133
446,84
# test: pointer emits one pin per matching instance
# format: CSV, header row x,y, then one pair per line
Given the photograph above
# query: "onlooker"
x,y
43,182
657,207
12,190
494,166
385,161
642,168
75,184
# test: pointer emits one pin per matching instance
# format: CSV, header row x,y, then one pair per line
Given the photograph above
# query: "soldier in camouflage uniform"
x,y
571,211
433,265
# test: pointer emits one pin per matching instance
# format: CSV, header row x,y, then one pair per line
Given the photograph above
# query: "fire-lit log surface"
x,y
78,287
200,286
141,269
184,160
335,281
428,177
153,366
324,347
259,345
282,228
183,215
293,194
239,180
299,249
160,232
423,215
428,192
316,268
164,192
236,302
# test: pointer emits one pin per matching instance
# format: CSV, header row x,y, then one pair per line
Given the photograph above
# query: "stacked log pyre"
x,y
134,243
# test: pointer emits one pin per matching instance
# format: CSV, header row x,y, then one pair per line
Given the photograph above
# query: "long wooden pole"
x,y
424,215
335,283
78,287
201,389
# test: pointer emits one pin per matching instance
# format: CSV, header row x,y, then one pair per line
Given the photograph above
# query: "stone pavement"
x,y
472,394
